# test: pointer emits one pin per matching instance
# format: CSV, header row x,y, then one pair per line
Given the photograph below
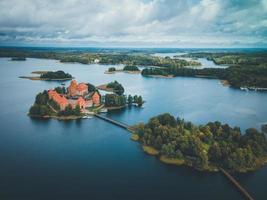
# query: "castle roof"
x,y
81,87
61,100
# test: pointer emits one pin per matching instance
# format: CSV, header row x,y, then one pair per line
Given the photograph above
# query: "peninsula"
x,y
206,147
247,71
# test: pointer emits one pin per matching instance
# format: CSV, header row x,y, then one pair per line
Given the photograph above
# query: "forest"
x,y
204,147
246,69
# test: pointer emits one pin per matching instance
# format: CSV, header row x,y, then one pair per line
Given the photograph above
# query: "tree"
x,y
56,75
117,87
41,98
114,100
264,128
34,110
111,69
130,68
130,100
60,90
44,110
135,98
215,153
91,87
168,150
139,101
158,142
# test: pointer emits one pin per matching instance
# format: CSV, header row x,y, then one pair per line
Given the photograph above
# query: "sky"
x,y
134,23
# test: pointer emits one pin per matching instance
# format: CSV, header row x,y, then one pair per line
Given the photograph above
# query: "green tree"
x,y
111,69
139,101
130,100
41,98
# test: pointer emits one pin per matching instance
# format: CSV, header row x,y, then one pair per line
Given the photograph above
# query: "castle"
x,y
77,95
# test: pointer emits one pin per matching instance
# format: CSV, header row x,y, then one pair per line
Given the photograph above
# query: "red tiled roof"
x,y
82,86
61,100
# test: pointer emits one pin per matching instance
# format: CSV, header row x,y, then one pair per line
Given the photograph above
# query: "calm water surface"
x,y
91,159
204,62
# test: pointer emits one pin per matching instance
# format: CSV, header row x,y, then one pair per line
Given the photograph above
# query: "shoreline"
x,y
186,161
115,107
105,88
160,76
124,71
71,117
225,83
37,78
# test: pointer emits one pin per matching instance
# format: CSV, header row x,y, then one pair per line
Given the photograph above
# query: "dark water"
x,y
92,159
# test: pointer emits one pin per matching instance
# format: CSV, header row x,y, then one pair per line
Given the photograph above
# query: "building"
x,y
81,103
96,98
60,100
77,95
96,61
76,89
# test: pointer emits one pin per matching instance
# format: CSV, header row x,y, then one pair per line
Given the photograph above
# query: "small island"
x,y
117,99
18,59
131,69
49,76
204,147
79,100
73,102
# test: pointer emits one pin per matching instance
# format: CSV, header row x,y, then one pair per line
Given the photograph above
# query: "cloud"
x,y
175,23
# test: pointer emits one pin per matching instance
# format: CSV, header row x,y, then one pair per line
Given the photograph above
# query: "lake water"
x,y
92,159
204,62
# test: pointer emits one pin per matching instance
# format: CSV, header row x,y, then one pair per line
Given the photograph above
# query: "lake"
x,y
92,159
204,62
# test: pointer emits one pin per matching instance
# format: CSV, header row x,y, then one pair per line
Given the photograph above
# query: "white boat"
x,y
87,117
104,110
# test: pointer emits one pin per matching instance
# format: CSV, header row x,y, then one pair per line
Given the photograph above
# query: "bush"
x,y
111,69
117,87
114,100
39,110
56,75
131,68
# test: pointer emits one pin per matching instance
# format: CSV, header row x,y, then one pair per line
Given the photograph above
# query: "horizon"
x,y
126,47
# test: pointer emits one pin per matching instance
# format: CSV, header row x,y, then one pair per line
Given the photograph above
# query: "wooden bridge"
x,y
117,123
238,186
229,176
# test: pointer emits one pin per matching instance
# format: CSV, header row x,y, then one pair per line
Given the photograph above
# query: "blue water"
x,y
92,159
204,62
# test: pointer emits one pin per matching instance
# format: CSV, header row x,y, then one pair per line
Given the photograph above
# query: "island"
x,y
204,147
76,101
131,69
49,76
79,100
117,99
18,59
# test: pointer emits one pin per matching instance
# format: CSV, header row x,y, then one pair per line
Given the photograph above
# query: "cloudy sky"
x,y
140,23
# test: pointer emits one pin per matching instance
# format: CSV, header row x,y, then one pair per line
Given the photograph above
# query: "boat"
x,y
103,110
87,117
